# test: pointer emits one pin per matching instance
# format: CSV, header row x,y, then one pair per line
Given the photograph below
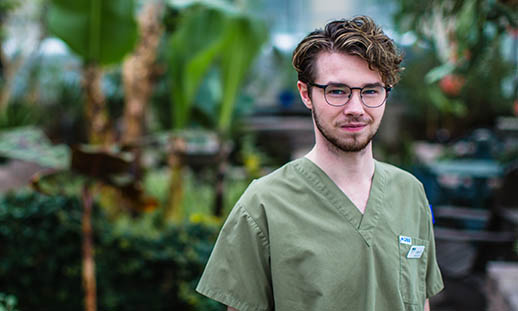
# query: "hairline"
x,y
345,53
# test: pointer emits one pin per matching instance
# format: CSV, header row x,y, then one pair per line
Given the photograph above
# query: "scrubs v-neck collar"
x,y
364,223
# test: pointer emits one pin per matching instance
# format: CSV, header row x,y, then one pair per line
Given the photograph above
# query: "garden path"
x,y
16,174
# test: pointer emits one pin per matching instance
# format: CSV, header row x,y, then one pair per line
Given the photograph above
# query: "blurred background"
x,y
129,128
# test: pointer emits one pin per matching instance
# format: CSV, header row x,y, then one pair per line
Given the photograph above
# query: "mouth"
x,y
353,127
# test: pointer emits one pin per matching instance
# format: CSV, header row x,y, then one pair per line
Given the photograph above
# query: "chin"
x,y
347,146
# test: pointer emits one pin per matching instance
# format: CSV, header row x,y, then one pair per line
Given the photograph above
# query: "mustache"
x,y
354,120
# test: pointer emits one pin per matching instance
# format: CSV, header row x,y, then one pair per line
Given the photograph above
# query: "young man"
x,y
336,229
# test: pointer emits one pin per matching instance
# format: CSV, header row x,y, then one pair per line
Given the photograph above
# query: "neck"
x,y
358,165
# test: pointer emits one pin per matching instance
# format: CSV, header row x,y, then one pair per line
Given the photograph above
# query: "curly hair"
x,y
359,36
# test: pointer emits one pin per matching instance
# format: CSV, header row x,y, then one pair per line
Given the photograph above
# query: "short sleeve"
x,y
238,271
434,283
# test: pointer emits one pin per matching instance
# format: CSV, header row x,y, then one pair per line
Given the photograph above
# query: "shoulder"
x,y
398,181
277,181
268,191
392,174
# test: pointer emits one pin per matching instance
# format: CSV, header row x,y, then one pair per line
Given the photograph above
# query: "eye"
x,y
337,91
372,91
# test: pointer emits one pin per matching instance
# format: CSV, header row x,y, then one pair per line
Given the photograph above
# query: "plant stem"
x,y
89,282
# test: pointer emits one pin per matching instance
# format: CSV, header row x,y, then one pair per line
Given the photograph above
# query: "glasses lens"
x,y
373,96
337,95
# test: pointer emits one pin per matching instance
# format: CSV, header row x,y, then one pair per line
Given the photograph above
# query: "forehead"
x,y
344,68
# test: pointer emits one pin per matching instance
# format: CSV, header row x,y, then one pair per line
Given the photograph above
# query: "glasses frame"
x,y
324,86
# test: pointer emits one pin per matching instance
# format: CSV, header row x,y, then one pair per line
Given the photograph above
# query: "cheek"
x,y
324,114
377,114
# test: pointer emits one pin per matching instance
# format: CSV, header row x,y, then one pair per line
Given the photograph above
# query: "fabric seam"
x,y
255,225
229,300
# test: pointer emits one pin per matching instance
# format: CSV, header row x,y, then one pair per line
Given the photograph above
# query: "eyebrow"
x,y
365,85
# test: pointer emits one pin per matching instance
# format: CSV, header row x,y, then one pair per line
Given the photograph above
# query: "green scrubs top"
x,y
294,241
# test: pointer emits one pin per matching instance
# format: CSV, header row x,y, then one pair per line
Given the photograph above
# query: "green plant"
x,y
100,32
457,70
135,270
198,196
41,224
241,43
15,115
8,302
211,34
459,30
193,47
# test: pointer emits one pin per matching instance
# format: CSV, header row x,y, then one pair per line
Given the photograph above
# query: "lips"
x,y
353,127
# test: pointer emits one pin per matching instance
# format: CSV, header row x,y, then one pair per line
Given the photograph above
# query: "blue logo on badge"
x,y
405,240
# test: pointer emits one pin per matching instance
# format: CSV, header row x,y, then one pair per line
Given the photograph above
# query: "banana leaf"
x,y
193,48
244,37
100,31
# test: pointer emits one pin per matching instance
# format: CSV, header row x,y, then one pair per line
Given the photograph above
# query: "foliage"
x,y
48,85
252,157
16,115
458,29
8,302
97,30
5,7
199,193
31,144
429,108
40,224
135,270
460,53
242,41
207,105
208,35
193,47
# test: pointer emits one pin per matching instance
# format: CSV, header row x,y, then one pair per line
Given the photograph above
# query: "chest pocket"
x,y
412,280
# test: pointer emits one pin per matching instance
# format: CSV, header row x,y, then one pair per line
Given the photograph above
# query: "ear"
x,y
304,94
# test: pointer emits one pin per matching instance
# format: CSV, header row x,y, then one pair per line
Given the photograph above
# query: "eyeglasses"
x,y
338,95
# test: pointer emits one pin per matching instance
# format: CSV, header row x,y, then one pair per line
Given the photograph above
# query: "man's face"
x,y
349,128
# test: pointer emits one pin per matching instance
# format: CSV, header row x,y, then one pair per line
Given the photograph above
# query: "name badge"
x,y
405,240
415,252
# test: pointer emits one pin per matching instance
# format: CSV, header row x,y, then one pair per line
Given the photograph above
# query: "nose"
x,y
354,106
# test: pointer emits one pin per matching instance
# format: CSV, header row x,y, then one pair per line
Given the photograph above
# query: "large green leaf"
x,y
243,39
193,48
101,31
211,34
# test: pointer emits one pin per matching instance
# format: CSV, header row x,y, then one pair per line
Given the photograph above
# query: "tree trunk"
x,y
221,172
137,72
89,283
99,132
220,187
173,210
